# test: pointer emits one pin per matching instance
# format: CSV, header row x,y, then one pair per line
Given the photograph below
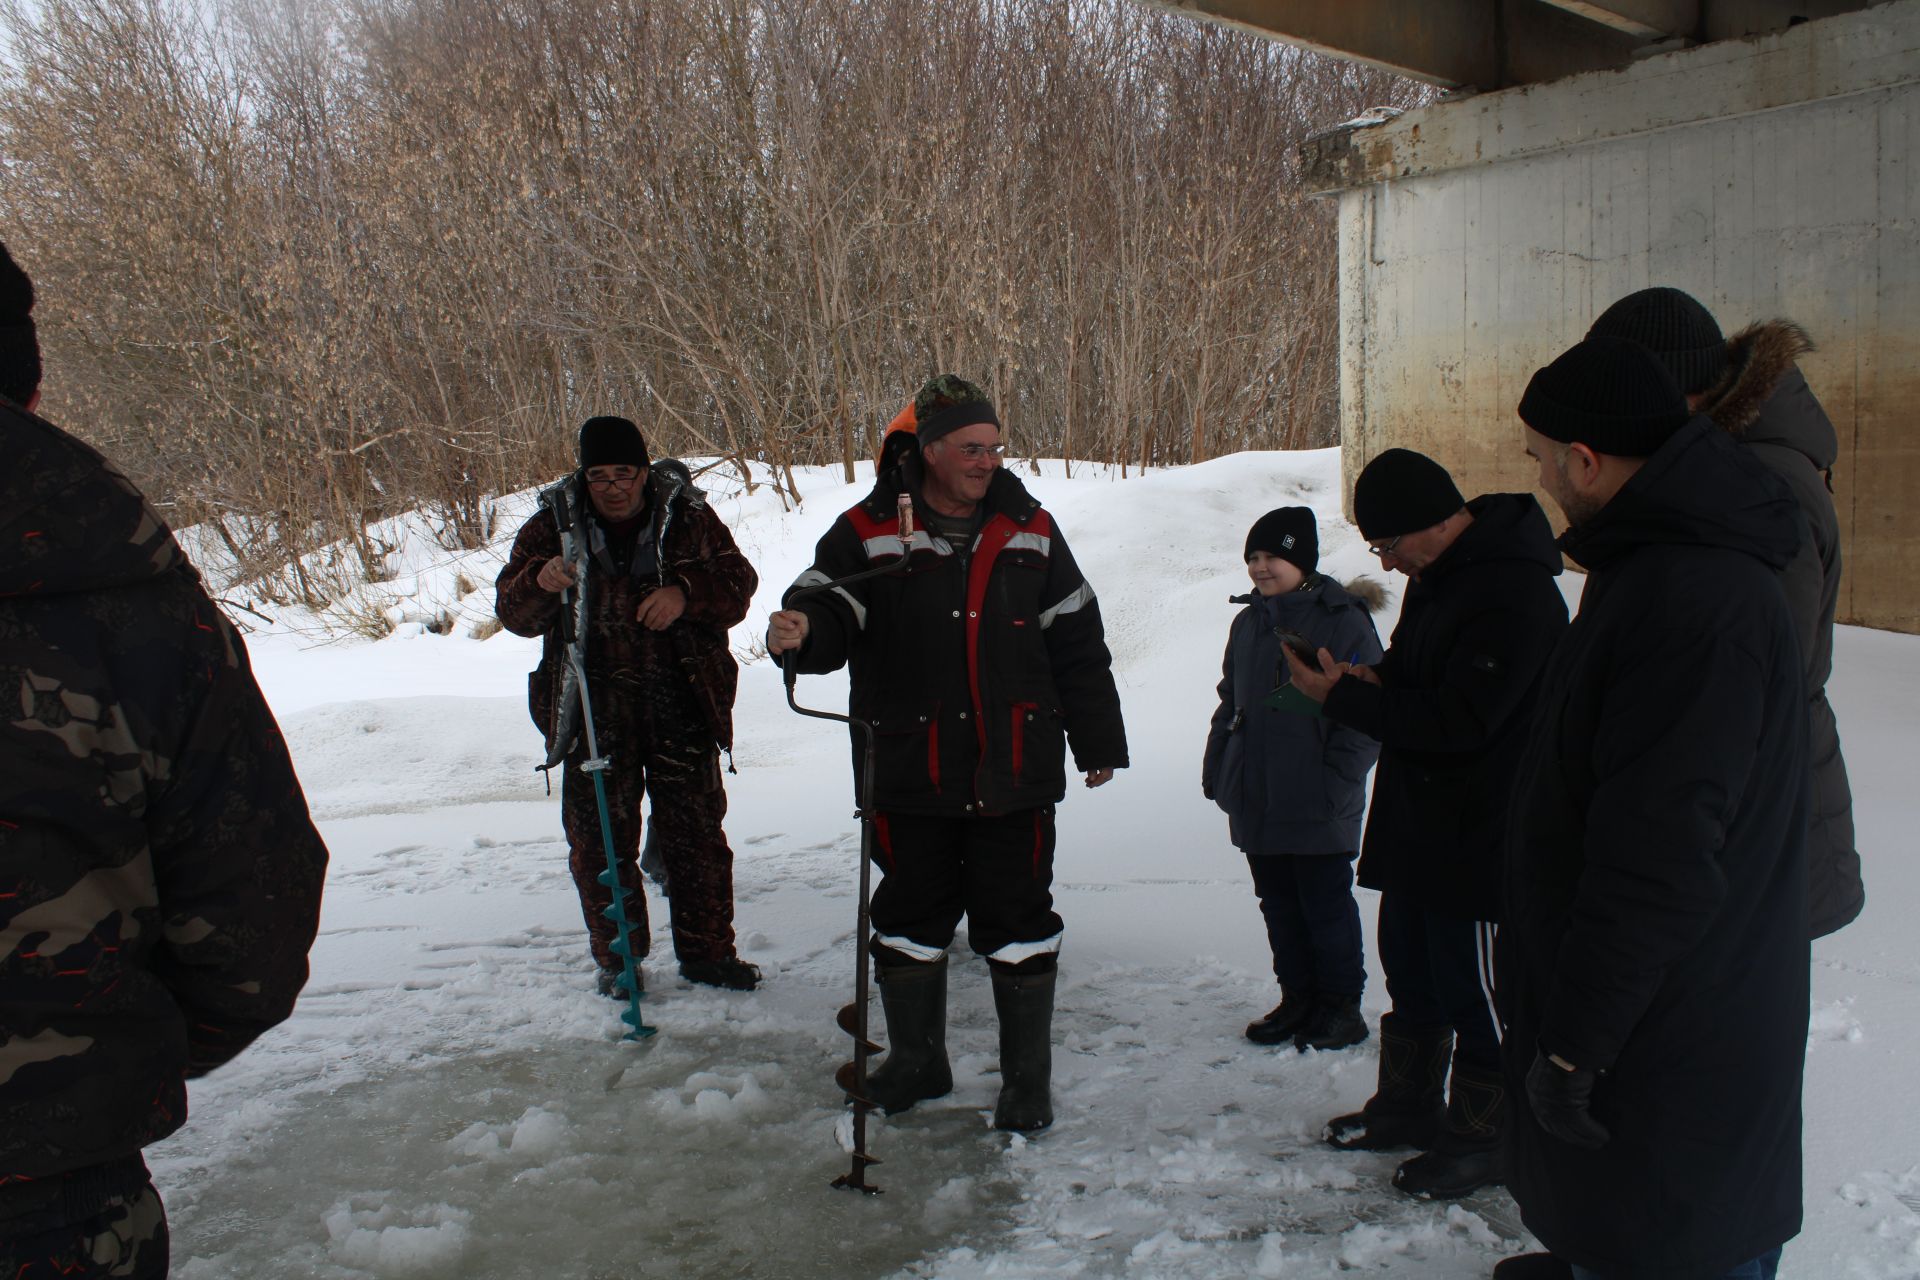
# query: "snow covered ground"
x,y
452,1099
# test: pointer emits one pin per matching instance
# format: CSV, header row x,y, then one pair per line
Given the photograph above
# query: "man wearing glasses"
x,y
1450,705
977,665
664,583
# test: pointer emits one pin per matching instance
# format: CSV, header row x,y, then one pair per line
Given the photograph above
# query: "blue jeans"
x,y
1761,1268
1313,923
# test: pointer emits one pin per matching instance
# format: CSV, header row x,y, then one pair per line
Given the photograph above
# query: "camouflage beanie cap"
x,y
947,403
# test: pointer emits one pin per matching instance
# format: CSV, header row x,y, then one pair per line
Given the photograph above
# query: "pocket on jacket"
x,y
907,756
1229,783
1036,741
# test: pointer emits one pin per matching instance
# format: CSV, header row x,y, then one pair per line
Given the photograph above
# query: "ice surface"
x,y
451,1098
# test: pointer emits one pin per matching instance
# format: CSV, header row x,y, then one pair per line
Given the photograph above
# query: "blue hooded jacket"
x,y
1291,782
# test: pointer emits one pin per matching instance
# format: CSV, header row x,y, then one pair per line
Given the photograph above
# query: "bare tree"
x,y
309,262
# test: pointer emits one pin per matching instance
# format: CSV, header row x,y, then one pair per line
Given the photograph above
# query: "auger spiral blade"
x,y
844,1079
849,1020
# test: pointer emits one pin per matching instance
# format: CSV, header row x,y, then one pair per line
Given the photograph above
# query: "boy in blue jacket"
x,y
1292,783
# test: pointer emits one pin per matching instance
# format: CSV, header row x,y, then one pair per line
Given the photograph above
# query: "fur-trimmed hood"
x,y
1367,594
1763,399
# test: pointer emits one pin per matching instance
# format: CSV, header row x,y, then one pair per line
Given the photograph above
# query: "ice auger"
x,y
574,695
852,1019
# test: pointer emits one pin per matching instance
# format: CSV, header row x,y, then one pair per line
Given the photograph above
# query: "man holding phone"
x,y
1450,705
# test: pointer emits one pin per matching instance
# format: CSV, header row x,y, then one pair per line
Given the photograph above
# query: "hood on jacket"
x,y
1363,591
1700,489
69,521
669,488
1506,526
1764,399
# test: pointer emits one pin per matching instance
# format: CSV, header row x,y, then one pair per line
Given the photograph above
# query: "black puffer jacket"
x,y
1766,404
1457,686
159,876
1657,878
976,666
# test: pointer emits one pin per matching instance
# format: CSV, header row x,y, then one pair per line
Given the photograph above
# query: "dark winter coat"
x,y
696,554
976,666
1657,878
1291,783
1451,711
1766,404
159,876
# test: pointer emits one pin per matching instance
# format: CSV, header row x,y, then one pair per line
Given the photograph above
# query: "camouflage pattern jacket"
x,y
159,876
696,554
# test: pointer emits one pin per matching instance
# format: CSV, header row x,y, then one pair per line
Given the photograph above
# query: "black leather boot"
x,y
914,998
1024,1002
1336,1023
1286,1020
1467,1154
1406,1107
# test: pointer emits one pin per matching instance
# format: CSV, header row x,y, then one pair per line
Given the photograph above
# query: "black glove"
x,y
1560,1101
1206,788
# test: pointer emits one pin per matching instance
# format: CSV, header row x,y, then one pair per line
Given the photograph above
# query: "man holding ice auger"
x,y
663,581
976,667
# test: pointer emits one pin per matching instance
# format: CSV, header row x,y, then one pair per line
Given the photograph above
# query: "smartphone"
x,y
1299,646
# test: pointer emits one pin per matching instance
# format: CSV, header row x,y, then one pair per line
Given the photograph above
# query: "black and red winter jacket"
x,y
975,665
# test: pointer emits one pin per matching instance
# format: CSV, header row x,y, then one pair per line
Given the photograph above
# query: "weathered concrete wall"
x,y
1774,176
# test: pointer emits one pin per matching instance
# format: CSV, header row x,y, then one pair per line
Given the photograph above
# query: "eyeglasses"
x,y
621,478
975,452
1385,548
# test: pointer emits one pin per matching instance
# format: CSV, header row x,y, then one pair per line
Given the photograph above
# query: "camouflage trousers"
x,y
126,1239
660,748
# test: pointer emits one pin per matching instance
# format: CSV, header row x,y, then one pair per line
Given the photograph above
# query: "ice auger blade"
x,y
845,1079
849,1020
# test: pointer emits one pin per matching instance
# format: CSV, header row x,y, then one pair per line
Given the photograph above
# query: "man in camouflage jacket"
x,y
159,876
664,583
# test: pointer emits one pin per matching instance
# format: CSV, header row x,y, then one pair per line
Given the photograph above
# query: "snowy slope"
x,y
452,1099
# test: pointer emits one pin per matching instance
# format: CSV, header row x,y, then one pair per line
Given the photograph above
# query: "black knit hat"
x,y
1674,326
1289,533
1612,395
947,403
1403,492
611,442
19,346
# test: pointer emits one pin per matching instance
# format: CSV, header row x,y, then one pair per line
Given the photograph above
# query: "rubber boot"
x,y
1336,1023
1467,1154
914,997
1024,1002
1406,1108
1287,1018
